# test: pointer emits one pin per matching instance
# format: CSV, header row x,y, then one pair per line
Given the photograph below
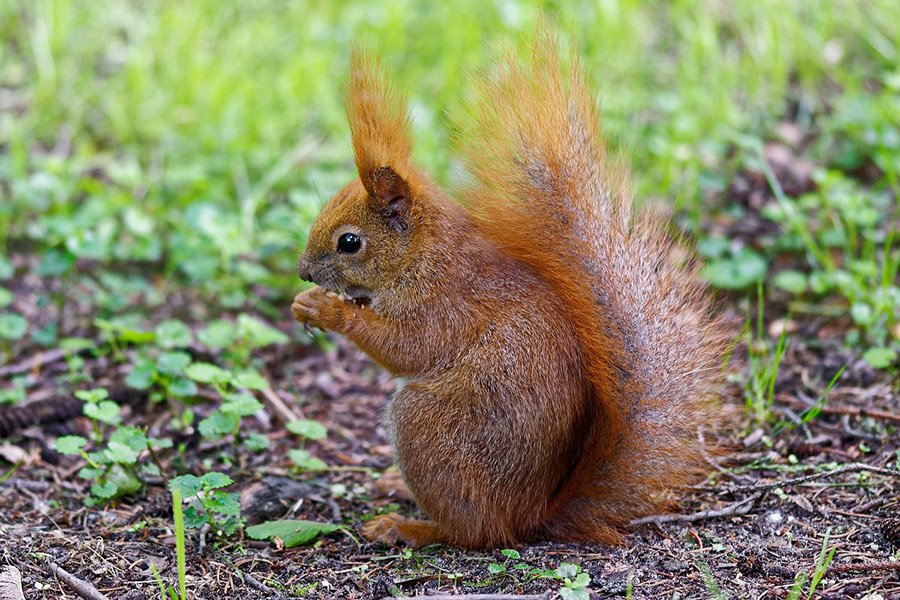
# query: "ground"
x,y
755,552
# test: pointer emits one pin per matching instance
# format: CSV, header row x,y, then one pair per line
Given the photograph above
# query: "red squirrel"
x,y
559,348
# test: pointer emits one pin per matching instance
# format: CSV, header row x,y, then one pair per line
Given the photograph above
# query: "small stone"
x,y
674,566
782,326
270,497
615,583
754,437
790,133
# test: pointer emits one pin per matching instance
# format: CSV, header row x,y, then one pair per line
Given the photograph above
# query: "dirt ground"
x,y
765,536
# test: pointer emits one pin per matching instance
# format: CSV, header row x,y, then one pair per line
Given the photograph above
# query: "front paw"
x,y
383,528
317,307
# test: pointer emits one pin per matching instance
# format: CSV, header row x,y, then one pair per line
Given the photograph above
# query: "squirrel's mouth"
x,y
360,301
330,281
357,296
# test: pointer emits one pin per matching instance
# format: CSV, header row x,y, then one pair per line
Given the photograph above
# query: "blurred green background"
x,y
170,144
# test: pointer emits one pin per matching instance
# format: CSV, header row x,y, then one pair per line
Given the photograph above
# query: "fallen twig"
x,y
893,565
257,585
844,410
735,509
278,406
33,362
851,468
38,487
83,588
11,584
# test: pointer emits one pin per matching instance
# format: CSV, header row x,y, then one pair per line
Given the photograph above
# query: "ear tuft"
x,y
379,123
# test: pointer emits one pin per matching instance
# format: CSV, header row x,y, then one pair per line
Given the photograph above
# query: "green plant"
x,y
852,252
165,592
115,468
763,361
208,503
307,429
819,569
9,473
13,326
822,563
575,582
226,419
172,333
72,348
509,554
238,339
100,410
730,268
15,393
880,357
237,402
164,373
179,542
6,272
290,532
168,592
709,580
121,331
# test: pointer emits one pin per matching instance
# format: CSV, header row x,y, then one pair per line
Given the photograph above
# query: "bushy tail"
x,y
546,191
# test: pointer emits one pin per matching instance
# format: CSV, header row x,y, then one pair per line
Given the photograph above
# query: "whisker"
x,y
321,202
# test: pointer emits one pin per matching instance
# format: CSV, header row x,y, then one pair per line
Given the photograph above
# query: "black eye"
x,y
349,243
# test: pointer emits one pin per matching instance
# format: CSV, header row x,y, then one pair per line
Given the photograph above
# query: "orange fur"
x,y
379,123
559,360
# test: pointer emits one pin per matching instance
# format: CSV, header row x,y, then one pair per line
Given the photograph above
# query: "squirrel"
x,y
559,349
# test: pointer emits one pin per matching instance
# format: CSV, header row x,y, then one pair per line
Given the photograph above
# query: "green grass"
x,y
168,592
155,147
763,360
218,126
819,569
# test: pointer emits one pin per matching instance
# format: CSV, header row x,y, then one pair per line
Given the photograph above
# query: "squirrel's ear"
x,y
382,143
389,196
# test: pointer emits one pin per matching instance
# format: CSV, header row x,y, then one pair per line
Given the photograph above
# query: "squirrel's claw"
x,y
319,308
306,306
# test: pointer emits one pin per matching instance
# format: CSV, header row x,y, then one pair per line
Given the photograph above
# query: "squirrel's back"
x,y
546,192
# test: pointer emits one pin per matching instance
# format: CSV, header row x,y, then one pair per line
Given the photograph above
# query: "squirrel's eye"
x,y
349,243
